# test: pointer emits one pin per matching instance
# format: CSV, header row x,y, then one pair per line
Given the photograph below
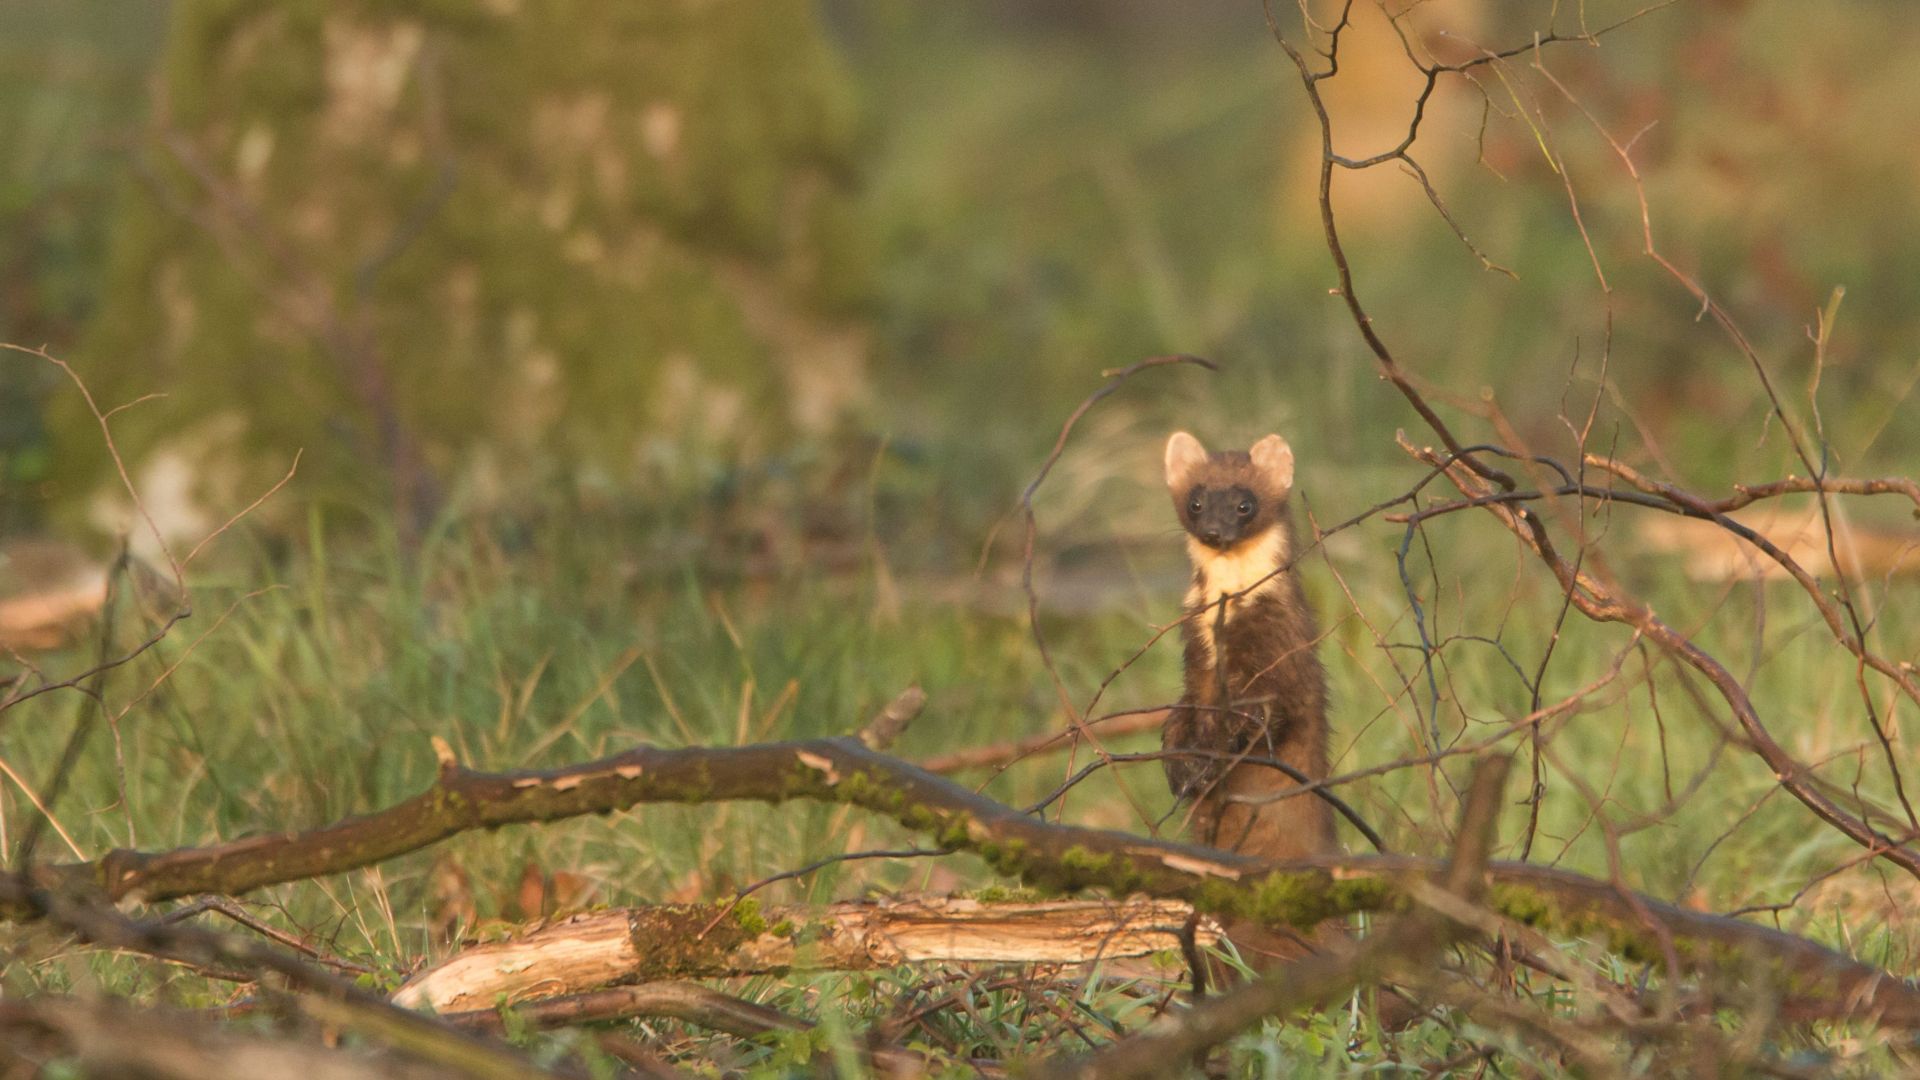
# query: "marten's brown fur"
x,y
1254,685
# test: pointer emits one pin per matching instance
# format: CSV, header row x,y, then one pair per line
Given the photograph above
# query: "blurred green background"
x,y
465,255
671,371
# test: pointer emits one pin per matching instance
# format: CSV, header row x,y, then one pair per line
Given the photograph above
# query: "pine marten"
x,y
1254,685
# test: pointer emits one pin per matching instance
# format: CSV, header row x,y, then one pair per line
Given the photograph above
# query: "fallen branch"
x,y
1317,979
689,1002
106,1038
320,996
1602,603
890,721
649,944
697,1005
1057,858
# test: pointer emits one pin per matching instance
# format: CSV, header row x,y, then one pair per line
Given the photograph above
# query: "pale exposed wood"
x,y
47,591
1054,858
627,945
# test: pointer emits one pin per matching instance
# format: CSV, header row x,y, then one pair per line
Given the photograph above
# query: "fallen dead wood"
x,y
648,944
1411,939
107,1038
695,1004
702,1007
1057,858
318,996
48,591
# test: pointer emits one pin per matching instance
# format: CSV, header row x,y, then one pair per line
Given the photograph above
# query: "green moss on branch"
x,y
1048,857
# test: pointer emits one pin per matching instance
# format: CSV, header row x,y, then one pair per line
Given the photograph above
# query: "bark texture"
x,y
650,944
1058,858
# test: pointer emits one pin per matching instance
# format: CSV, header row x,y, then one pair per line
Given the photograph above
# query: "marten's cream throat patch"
x,y
1250,565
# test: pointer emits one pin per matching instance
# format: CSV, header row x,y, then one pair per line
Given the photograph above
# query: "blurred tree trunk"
x,y
467,240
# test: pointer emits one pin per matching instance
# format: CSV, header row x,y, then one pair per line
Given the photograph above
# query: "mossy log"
x,y
648,944
1055,858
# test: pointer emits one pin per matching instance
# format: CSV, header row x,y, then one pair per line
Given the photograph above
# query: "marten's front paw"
x,y
1191,769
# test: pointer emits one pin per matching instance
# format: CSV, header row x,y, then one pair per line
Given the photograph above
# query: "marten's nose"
x,y
1210,536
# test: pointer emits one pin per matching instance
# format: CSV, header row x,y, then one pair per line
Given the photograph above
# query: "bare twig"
x,y
1602,603
1494,489
1115,380
889,722
1001,755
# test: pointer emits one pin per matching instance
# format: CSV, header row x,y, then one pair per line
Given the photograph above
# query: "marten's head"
x,y
1228,498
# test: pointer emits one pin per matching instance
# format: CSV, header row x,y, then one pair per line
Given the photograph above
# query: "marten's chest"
x,y
1242,579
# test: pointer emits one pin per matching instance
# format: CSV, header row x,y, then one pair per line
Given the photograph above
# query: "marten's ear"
x,y
1274,459
1184,454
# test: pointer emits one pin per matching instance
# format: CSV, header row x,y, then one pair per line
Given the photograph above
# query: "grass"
x,y
1046,211
311,679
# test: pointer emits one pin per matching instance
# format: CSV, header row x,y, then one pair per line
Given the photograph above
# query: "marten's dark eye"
x,y
1246,507
1193,506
